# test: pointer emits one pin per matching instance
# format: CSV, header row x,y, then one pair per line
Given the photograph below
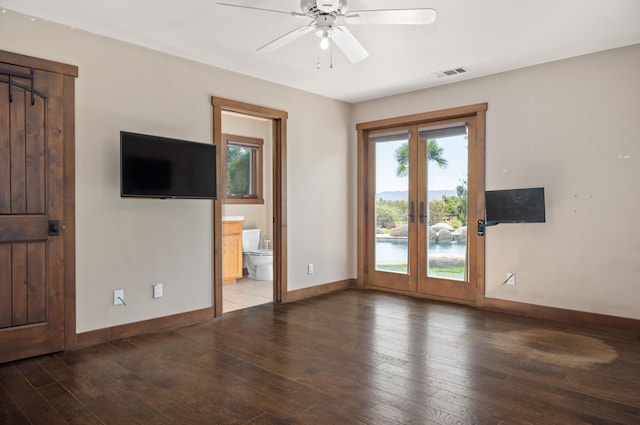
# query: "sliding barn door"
x,y
31,212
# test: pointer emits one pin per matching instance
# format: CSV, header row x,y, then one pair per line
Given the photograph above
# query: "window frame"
x,y
257,183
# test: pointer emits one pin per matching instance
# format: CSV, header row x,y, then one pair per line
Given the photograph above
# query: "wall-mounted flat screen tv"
x,y
515,205
160,167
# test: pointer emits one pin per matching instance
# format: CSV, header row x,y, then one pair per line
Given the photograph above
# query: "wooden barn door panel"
x,y
5,286
31,195
5,157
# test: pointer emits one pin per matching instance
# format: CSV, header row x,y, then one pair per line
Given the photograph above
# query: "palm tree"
x,y
434,153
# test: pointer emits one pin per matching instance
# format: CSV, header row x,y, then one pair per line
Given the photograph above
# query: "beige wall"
x,y
131,244
570,126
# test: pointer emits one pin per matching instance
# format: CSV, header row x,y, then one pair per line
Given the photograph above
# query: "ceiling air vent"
x,y
451,72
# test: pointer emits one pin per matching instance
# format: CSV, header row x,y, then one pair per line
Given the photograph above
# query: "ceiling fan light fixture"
x,y
324,43
327,19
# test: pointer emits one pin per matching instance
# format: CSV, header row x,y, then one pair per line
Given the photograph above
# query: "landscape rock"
x,y
432,234
460,234
444,235
439,226
400,231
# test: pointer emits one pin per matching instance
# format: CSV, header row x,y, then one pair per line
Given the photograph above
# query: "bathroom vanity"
x,y
231,249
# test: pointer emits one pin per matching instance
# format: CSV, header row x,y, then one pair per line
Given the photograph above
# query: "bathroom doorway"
x,y
246,155
259,134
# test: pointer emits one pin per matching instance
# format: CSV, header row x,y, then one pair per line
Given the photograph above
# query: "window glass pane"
x,y
240,171
392,198
447,165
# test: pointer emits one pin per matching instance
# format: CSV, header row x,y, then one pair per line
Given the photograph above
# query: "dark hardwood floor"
x,y
352,357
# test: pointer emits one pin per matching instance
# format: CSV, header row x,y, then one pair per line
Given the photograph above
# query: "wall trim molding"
x,y
128,330
533,311
556,314
314,291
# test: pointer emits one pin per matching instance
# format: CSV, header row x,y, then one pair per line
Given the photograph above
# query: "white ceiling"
x,y
487,37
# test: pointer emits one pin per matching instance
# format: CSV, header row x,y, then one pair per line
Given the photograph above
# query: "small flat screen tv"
x,y
160,167
515,205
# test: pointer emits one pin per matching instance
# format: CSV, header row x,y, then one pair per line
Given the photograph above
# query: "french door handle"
x,y
422,216
412,209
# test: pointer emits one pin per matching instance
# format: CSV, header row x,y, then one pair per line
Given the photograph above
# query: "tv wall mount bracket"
x,y
483,224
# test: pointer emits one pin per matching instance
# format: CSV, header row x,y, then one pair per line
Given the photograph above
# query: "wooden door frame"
x,y
279,134
478,166
69,73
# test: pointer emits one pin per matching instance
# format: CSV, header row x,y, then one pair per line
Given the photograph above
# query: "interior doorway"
x,y
247,211
276,208
424,191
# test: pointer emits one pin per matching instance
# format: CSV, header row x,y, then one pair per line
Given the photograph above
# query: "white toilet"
x,y
259,262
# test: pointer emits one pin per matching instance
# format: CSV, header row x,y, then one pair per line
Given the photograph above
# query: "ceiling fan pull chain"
x,y
331,52
318,61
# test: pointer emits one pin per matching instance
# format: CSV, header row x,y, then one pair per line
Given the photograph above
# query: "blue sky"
x,y
454,151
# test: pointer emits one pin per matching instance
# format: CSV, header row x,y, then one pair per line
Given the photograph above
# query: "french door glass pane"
x,y
391,202
447,176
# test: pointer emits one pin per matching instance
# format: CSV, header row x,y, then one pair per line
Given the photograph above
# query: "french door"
x,y
424,184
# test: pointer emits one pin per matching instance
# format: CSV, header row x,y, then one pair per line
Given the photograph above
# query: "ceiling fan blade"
x,y
422,16
287,38
349,45
260,8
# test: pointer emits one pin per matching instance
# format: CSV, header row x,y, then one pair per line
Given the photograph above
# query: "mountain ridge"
x,y
399,195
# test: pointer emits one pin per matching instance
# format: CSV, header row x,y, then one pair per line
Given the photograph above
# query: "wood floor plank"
x,y
11,415
67,406
12,380
351,357
110,413
75,382
34,373
36,409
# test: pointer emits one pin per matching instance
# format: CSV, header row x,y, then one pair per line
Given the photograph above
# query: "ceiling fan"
x,y
327,18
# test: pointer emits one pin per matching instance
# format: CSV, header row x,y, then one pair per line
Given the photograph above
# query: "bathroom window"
x,y
242,169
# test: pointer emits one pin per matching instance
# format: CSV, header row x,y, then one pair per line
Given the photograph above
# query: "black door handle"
x,y
412,211
422,216
54,227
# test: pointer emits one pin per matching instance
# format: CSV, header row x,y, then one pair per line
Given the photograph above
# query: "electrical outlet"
x,y
118,297
310,269
511,278
157,290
